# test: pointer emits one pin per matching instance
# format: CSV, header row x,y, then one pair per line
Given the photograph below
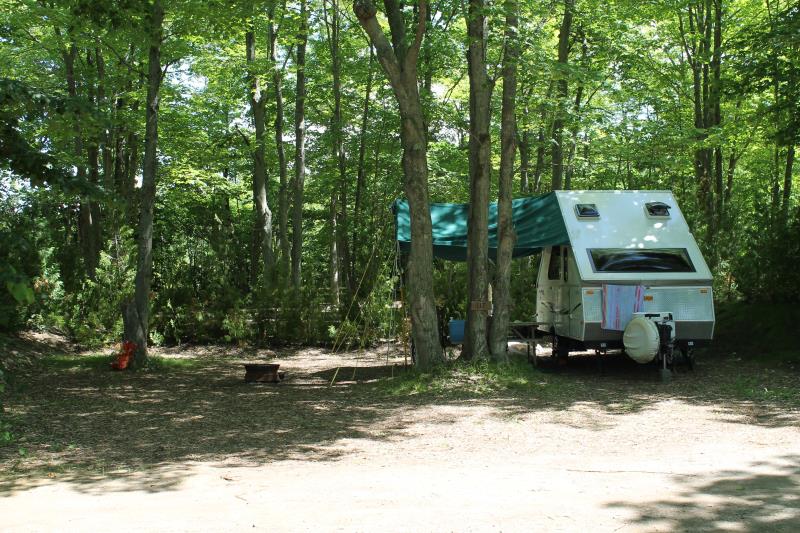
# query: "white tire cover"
x,y
641,339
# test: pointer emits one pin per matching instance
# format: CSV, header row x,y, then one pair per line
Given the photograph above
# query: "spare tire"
x,y
641,339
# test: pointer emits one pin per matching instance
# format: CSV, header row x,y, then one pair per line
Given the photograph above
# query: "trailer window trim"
x,y
640,260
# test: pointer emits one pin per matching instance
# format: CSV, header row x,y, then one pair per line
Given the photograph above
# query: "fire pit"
x,y
263,373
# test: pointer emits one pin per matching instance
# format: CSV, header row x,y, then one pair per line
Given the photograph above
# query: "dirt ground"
x,y
194,448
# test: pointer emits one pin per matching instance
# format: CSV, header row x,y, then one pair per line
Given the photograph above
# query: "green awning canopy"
x,y
537,221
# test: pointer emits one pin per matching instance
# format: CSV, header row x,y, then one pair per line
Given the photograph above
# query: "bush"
x,y
93,315
767,269
5,427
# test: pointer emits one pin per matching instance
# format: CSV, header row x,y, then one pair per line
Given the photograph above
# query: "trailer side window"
x,y
554,268
639,260
566,264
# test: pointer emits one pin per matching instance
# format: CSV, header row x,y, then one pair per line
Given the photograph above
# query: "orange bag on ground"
x,y
124,356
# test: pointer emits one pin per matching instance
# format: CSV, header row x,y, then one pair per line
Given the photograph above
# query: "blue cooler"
x,y
456,331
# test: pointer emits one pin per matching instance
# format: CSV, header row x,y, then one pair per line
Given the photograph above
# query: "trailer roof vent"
x,y
657,209
587,211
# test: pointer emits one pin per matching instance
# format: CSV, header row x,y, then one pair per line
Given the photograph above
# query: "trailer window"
x,y
554,268
658,209
587,211
650,260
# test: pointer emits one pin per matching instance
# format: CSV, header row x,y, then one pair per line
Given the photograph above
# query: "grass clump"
x,y
100,362
758,389
464,377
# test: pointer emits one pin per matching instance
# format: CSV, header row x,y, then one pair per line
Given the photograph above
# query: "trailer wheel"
x,y
688,357
560,351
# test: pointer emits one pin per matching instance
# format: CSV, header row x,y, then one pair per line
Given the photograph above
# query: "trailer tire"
x,y
560,351
688,357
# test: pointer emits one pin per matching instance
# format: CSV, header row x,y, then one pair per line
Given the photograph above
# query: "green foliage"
x,y
766,269
238,326
19,259
764,332
5,428
18,102
92,315
628,124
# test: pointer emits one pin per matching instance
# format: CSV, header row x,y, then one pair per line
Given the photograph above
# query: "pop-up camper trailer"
x,y
618,269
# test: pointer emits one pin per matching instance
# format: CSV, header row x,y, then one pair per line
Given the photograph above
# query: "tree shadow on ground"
x,y
741,391
765,497
85,425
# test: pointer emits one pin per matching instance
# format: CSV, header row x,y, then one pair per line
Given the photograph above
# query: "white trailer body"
x,y
623,238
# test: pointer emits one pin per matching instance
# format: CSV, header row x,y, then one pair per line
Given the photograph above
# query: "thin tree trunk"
x,y
131,169
787,184
475,340
776,186
695,56
498,334
541,146
85,229
283,199
540,154
339,255
732,159
93,231
524,144
136,314
107,135
300,149
362,171
399,62
562,88
573,137
261,253
716,110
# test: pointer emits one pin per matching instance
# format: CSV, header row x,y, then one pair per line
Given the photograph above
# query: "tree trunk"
x,y
787,184
540,154
261,253
108,133
524,161
573,138
732,159
716,111
339,253
85,220
136,317
399,62
93,231
131,168
300,149
333,252
498,334
283,199
562,89
475,340
362,171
